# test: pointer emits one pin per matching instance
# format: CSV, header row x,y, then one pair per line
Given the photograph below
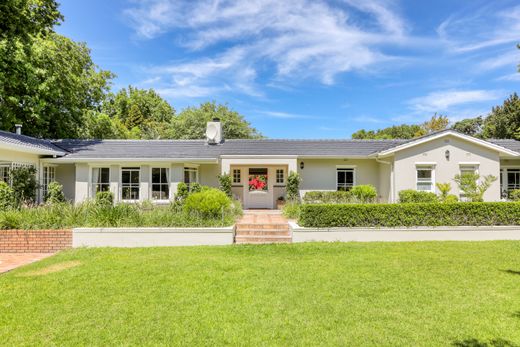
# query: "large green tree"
x,y
191,122
470,126
404,131
504,120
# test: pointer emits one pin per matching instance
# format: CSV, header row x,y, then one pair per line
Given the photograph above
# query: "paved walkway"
x,y
262,217
10,261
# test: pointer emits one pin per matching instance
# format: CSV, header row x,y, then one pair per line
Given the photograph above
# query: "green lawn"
x,y
391,294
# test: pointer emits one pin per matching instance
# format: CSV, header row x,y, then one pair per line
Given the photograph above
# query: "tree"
x,y
470,186
57,83
436,123
504,121
101,126
191,123
403,131
470,126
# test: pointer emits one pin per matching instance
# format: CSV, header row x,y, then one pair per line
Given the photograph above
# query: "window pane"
x,y
105,175
424,186
134,175
349,177
424,174
156,175
164,175
125,177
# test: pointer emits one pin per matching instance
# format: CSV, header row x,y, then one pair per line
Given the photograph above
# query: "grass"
x,y
358,294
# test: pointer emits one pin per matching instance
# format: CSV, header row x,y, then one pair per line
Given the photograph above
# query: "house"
x,y
138,170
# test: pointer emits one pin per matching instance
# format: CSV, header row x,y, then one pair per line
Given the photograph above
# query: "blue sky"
x,y
309,68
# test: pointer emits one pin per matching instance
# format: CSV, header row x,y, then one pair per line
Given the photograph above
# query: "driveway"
x,y
10,261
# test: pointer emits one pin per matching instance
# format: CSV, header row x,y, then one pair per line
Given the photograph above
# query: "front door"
x,y
258,192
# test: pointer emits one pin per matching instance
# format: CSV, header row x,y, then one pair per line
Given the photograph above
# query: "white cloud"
x,y
292,40
511,77
511,59
286,115
443,101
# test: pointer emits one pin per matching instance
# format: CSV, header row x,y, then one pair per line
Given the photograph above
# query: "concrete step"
x,y
261,239
263,232
269,226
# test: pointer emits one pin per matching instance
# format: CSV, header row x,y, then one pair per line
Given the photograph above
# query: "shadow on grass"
x,y
477,343
516,314
512,272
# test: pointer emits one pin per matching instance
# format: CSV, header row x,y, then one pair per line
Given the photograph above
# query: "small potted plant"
x,y
280,202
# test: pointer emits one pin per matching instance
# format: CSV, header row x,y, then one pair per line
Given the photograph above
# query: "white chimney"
x,y
18,129
214,134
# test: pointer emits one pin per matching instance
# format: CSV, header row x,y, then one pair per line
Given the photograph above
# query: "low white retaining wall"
x,y
465,233
151,237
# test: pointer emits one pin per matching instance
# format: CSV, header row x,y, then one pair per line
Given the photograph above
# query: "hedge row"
x,y
408,215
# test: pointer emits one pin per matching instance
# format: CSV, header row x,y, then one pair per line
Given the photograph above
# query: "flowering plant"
x,y
257,182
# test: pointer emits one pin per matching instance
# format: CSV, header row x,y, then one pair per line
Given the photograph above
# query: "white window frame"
x,y
505,178
351,168
48,176
130,185
190,169
422,167
93,184
467,167
237,176
167,184
277,177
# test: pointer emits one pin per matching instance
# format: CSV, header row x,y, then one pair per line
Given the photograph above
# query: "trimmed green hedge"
x,y
408,215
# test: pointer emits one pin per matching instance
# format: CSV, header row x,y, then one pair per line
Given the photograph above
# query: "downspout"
x,y
391,176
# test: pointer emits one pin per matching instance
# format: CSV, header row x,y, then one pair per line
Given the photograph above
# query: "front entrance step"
x,y
263,232
267,226
243,239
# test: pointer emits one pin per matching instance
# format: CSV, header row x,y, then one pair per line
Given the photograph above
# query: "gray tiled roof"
x,y
511,144
28,141
85,149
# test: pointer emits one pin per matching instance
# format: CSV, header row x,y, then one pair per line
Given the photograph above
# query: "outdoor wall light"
x,y
302,165
447,155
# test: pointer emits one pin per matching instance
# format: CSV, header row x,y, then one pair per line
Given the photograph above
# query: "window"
x,y
236,176
513,179
130,183
191,175
466,170
258,179
160,185
4,173
425,179
100,180
280,176
345,179
49,175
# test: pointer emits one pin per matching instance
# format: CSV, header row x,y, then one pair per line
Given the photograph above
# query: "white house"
x,y
138,170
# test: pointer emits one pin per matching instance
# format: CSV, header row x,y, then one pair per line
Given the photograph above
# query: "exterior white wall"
x,y
385,177
461,151
19,157
320,174
208,175
66,176
82,183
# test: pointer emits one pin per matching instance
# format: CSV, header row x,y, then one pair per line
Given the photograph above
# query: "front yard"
x,y
431,293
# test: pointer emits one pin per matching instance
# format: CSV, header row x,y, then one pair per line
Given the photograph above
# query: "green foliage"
x,y
404,131
414,196
291,210
470,126
444,189
23,182
514,195
54,193
225,183
364,193
208,203
182,192
104,199
195,187
409,215
472,187
7,199
504,121
101,126
329,197
451,199
191,123
293,186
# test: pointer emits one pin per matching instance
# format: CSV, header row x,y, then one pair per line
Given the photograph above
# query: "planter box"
x,y
34,241
151,237
448,233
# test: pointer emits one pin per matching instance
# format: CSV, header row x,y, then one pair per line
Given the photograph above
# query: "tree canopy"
x,y
404,131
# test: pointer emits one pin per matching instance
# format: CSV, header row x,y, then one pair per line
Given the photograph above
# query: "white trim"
x,y
346,166
425,163
121,184
142,161
448,133
29,149
432,169
252,156
150,188
469,163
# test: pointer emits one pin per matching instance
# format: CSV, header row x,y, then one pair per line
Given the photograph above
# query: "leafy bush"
x,y
515,195
444,189
195,187
104,199
23,182
450,199
54,193
209,203
293,186
291,210
413,196
7,200
472,187
328,197
182,192
408,215
364,193
225,184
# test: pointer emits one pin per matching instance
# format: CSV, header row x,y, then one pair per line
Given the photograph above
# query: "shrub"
x,y
23,182
195,187
451,199
515,195
208,203
104,199
182,192
364,193
225,184
444,189
472,188
54,193
291,210
328,197
7,200
409,215
293,186
414,196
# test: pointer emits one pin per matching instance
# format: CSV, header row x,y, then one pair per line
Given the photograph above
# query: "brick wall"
x,y
34,241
